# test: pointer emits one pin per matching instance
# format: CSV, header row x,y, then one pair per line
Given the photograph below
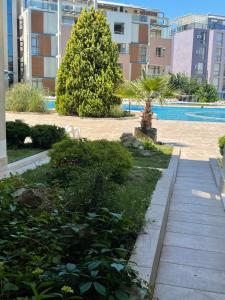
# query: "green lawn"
x,y
20,153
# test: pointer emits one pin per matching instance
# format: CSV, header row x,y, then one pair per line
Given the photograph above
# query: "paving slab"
x,y
196,229
196,218
168,292
191,277
195,208
177,198
193,257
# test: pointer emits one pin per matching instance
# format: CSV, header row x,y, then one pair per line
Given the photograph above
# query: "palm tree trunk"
x,y
146,121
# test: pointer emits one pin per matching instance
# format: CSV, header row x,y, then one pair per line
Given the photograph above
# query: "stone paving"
x,y
192,264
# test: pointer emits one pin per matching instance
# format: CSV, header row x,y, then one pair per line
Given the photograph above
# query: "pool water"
x,y
206,114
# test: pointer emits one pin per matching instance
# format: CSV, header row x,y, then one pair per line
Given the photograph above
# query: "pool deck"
x,y
192,263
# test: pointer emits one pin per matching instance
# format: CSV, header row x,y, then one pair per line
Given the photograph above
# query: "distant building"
x,y
44,28
199,48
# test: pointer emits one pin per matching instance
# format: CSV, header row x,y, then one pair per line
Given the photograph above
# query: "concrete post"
x,y
3,153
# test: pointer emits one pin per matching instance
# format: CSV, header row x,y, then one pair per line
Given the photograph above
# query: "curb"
x,y
218,177
28,163
147,250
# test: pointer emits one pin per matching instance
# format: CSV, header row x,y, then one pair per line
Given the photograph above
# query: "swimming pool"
x,y
206,114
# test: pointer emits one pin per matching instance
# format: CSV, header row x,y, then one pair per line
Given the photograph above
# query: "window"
x,y
201,52
122,48
216,70
160,52
68,21
120,65
218,54
223,87
199,68
202,37
216,82
142,53
219,39
119,28
35,45
154,71
37,83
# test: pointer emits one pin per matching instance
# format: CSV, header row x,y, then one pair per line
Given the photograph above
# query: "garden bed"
x,y
76,249
15,154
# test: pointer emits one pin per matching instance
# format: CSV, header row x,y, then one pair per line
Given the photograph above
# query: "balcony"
x,y
139,18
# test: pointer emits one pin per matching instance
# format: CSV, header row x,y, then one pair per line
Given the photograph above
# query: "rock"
x,y
146,153
128,140
30,197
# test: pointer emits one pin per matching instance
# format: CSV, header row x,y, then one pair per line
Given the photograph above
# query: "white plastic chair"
x,y
73,132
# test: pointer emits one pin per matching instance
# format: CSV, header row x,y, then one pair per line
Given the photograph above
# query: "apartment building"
x,y
44,28
199,48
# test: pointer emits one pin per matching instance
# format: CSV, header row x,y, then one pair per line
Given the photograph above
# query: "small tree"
x,y
147,89
89,70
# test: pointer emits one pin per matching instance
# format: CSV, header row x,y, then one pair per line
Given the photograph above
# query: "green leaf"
x,y
94,273
118,267
93,265
121,295
10,287
100,288
84,287
71,267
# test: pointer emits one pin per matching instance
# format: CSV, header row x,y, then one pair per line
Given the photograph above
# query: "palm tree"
x,y
147,89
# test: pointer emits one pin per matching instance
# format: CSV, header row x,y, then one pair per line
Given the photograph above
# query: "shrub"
x,y
16,133
112,156
221,144
24,97
89,70
44,136
52,254
149,145
117,112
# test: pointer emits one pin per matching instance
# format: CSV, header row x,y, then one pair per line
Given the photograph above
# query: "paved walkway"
x,y
192,263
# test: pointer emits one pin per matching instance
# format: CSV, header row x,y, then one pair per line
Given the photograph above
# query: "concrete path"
x,y
192,263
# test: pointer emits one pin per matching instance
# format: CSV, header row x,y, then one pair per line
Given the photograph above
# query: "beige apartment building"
x,y
44,28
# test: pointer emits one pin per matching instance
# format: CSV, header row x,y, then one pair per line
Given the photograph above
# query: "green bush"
x,y
50,253
44,136
16,133
221,144
24,97
117,112
112,156
89,70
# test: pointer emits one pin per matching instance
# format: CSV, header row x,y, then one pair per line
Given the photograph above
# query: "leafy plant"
x,y
44,136
24,97
221,144
146,89
16,133
89,69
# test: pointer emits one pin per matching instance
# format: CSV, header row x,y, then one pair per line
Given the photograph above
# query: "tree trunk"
x,y
146,121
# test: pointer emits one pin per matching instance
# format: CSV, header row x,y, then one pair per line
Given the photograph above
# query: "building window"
x,y
37,83
202,37
223,87
216,70
122,48
160,52
199,68
142,53
216,82
154,71
120,65
218,54
68,21
219,39
35,45
119,28
201,52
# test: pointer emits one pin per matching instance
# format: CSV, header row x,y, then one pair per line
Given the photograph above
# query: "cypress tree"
x,y
89,70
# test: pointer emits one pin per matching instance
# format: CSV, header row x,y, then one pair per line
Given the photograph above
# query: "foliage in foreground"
x,y
89,70
23,97
16,133
191,86
71,245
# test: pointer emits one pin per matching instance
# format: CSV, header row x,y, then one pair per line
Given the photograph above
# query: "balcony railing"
x,y
140,18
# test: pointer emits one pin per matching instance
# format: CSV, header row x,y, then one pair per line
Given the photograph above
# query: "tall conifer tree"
x,y
89,70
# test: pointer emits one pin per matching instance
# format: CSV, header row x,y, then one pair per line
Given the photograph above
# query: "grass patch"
x,y
159,158
15,154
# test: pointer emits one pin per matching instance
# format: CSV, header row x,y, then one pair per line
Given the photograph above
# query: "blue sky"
x,y
174,8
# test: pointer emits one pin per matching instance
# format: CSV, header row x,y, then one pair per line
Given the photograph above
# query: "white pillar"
x,y
3,153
